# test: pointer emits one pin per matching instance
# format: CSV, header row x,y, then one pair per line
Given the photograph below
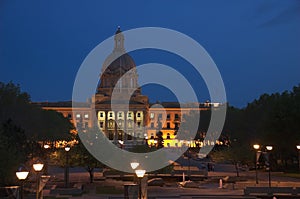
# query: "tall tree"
x,y
14,150
37,123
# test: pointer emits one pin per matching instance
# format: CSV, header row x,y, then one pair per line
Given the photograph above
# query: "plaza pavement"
x,y
206,189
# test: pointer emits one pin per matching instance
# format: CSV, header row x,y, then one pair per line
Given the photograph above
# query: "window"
x,y
129,124
168,116
69,116
120,114
101,114
77,115
176,116
138,114
151,115
86,125
176,125
152,125
168,125
101,124
168,136
86,116
111,124
110,135
159,116
139,124
110,114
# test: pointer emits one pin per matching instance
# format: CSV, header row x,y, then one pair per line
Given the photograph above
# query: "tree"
x,y
84,159
38,124
14,151
80,157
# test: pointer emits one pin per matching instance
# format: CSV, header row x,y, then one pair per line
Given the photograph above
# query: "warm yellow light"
x,y
269,148
22,175
140,173
134,165
38,166
256,146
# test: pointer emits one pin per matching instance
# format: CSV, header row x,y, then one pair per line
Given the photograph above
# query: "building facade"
x,y
133,120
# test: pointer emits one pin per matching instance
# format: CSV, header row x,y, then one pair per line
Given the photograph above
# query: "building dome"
x,y
115,66
115,63
118,61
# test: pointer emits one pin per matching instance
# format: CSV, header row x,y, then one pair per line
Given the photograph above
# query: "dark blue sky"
x,y
255,44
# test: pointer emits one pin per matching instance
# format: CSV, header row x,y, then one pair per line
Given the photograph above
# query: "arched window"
x,y
168,136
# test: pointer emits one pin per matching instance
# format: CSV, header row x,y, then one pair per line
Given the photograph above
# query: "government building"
x,y
136,124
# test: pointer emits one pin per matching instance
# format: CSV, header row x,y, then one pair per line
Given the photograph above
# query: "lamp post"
x,y
38,166
47,148
22,174
134,165
256,147
269,149
298,147
140,174
67,149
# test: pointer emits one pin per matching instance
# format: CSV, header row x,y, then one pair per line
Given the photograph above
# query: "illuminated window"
x,y
86,116
101,124
77,115
151,115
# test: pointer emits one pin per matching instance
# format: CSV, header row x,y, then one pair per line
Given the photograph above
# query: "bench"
x,y
270,190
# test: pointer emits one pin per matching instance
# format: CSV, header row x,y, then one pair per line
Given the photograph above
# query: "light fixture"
x,y
46,146
134,165
67,148
38,165
22,173
140,173
269,148
256,146
298,147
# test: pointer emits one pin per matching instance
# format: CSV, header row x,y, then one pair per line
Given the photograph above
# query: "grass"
x,y
108,190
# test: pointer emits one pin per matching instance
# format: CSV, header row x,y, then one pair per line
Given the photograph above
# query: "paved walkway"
x,y
207,189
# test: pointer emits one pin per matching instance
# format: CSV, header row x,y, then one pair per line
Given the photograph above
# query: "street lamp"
x,y
134,165
298,147
67,149
140,174
38,166
269,148
256,147
22,174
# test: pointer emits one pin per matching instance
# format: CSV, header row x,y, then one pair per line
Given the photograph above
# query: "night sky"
x,y
255,44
